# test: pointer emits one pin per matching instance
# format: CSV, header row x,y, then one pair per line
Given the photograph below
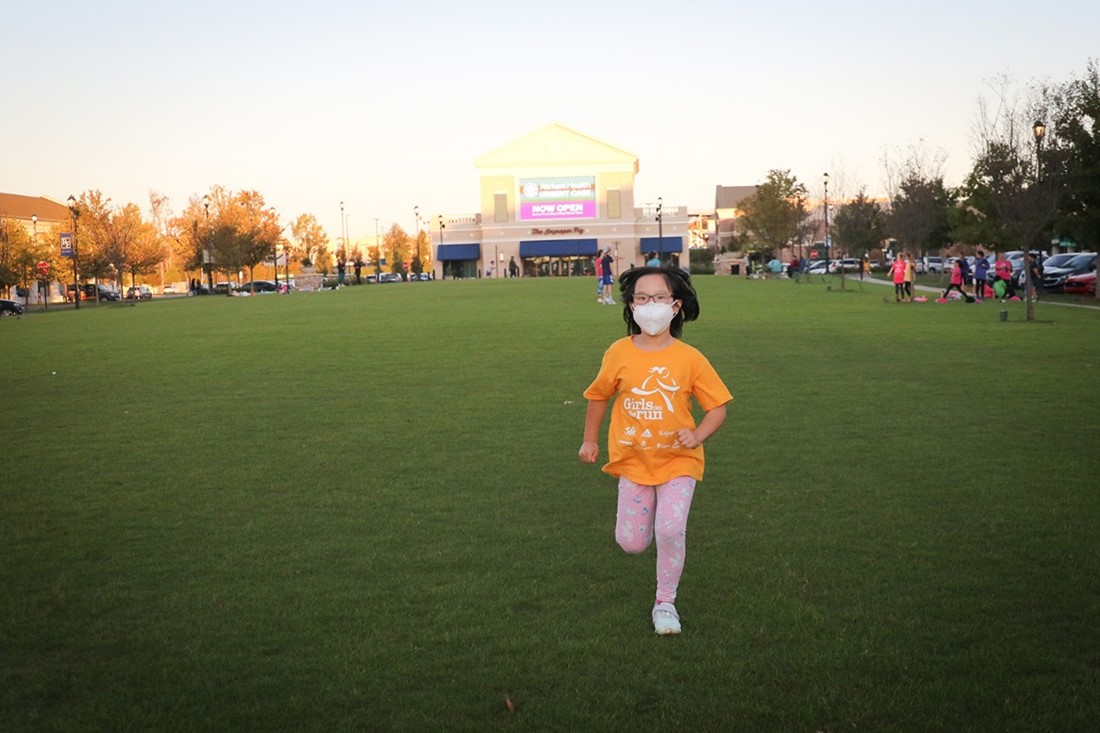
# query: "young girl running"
x,y
957,282
655,448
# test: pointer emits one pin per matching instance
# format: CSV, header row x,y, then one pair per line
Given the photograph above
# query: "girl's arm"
x,y
593,418
707,427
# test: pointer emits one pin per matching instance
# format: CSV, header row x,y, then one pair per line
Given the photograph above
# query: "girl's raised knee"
x,y
632,545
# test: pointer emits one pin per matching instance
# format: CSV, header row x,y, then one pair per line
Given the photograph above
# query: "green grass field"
x,y
362,510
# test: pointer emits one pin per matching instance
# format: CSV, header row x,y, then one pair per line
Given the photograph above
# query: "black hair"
x,y
679,284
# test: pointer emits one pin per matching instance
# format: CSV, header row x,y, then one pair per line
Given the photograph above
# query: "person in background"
x,y
608,278
599,276
957,280
981,275
897,271
653,260
1002,279
910,275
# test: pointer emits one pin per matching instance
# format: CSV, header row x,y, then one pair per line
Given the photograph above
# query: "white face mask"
x,y
653,318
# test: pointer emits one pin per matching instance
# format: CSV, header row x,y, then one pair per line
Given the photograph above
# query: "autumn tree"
x,y
774,215
15,254
311,239
397,246
131,245
248,232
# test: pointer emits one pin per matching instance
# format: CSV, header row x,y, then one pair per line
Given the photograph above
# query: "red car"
x,y
1081,284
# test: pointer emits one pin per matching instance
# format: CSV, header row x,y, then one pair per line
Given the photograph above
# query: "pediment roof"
x,y
18,206
556,144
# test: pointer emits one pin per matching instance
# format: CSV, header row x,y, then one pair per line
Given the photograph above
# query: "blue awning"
x,y
558,248
452,252
662,244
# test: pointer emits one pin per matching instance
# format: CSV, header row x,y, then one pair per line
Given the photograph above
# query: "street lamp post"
x,y
441,226
828,244
207,256
44,291
416,213
660,227
377,252
74,212
1038,130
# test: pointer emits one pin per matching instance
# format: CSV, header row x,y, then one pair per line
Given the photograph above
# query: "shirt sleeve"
x,y
606,384
709,389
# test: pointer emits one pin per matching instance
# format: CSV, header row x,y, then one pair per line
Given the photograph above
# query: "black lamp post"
x,y
74,212
660,227
416,213
207,257
441,226
1039,130
828,244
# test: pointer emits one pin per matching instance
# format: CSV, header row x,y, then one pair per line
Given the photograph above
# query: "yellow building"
x,y
549,202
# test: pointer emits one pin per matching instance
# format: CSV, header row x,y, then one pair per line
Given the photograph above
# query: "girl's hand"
x,y
687,438
589,452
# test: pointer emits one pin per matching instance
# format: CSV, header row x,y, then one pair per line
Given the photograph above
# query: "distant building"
x,y
41,218
726,201
552,199
26,209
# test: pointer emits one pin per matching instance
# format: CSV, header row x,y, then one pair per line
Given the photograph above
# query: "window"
x,y
614,204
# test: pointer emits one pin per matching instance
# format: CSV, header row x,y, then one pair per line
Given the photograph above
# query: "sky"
x,y
385,105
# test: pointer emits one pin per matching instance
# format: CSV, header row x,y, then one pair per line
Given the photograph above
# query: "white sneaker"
x,y
665,619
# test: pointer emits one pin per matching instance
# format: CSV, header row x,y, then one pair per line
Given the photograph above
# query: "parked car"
x,y
1081,284
221,288
10,308
170,290
423,276
935,265
92,291
259,286
139,292
389,277
1054,278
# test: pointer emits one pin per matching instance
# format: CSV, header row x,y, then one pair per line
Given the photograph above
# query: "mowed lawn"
x,y
362,510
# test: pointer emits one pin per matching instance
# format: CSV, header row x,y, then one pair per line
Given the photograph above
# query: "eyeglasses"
x,y
643,298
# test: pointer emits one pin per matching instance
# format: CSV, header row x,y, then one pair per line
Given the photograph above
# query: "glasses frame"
x,y
644,298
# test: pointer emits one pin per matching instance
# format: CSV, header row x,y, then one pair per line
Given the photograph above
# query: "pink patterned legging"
x,y
662,510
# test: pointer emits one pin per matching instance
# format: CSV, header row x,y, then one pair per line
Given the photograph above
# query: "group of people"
x,y
902,272
973,284
978,280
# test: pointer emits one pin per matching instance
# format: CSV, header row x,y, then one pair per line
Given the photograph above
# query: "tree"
x,y
132,245
311,238
1076,123
918,215
15,247
1008,200
859,226
247,232
775,214
397,245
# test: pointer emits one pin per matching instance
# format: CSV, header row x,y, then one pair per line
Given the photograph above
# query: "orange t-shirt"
x,y
654,391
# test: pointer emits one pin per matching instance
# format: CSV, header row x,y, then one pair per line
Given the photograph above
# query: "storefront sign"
x,y
556,232
557,198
